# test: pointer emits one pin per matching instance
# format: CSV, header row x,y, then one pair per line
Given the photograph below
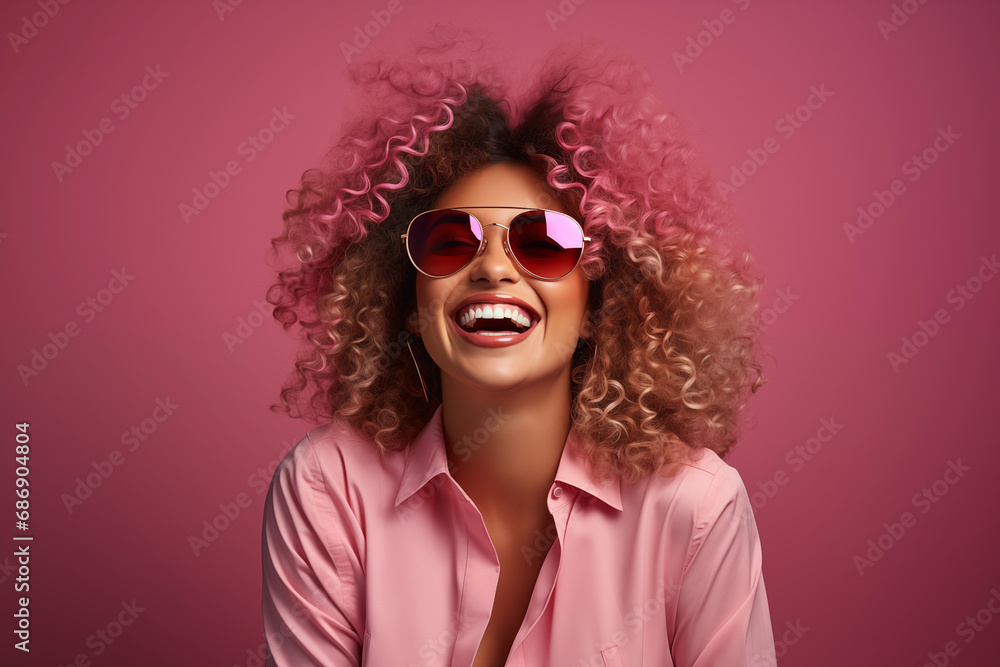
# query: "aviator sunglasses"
x,y
545,244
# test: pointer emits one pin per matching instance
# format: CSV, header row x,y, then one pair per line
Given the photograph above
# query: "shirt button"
x,y
556,492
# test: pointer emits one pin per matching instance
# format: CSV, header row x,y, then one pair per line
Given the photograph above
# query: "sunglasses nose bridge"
x,y
503,240
424,257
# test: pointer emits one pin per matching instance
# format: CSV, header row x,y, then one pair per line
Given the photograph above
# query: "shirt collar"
x,y
426,458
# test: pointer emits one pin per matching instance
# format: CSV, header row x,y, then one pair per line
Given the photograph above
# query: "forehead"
x,y
502,184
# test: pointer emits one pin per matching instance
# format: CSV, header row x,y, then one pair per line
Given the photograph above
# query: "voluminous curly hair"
x,y
671,360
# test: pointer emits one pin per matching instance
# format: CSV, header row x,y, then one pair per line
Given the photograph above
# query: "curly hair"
x,y
675,321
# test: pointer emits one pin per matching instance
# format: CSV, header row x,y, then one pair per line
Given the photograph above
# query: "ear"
x,y
587,325
412,324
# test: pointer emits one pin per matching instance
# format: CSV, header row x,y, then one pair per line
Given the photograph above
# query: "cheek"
x,y
567,302
430,294
423,298
576,297
581,323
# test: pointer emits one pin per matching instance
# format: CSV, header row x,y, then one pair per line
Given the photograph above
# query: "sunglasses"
x,y
545,244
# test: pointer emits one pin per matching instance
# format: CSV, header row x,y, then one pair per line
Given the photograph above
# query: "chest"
x,y
519,569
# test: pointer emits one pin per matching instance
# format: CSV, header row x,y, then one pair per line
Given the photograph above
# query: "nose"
x,y
493,263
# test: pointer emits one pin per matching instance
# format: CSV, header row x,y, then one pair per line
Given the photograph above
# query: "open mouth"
x,y
494,319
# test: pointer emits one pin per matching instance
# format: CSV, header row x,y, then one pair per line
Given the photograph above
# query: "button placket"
x,y
482,574
545,584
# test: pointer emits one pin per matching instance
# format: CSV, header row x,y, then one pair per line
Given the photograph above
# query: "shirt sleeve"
x,y
722,612
311,562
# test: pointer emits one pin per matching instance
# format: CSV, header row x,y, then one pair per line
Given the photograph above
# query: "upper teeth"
x,y
488,311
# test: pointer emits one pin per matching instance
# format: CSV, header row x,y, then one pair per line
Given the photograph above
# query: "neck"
x,y
504,447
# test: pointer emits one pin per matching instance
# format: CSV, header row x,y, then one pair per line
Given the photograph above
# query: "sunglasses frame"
x,y
483,241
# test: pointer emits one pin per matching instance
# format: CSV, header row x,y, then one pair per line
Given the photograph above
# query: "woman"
x,y
530,347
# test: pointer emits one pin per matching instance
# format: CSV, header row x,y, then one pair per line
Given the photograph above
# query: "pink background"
x,y
163,335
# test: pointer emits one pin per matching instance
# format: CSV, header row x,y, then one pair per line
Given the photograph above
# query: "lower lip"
x,y
492,341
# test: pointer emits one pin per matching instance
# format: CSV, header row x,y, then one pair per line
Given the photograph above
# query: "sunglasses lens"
x,y
442,242
547,243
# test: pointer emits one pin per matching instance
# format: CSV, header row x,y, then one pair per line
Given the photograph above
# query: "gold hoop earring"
x,y
423,386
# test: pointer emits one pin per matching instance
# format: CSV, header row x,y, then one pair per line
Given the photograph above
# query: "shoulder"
x,y
715,477
720,486
704,489
700,477
332,459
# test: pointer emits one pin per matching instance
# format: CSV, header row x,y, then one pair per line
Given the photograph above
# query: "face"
x,y
557,309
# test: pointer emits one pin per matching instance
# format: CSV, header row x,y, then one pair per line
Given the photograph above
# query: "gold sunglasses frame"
x,y
483,241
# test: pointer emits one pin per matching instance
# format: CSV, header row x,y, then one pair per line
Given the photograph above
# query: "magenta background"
x,y
163,336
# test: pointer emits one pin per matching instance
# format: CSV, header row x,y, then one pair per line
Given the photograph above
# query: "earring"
x,y
417,366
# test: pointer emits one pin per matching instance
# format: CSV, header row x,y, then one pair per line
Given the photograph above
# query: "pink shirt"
x,y
386,562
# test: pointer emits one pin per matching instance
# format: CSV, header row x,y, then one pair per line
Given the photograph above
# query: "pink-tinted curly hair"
x,y
671,361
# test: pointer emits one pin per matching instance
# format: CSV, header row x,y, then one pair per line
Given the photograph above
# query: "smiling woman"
x,y
528,344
